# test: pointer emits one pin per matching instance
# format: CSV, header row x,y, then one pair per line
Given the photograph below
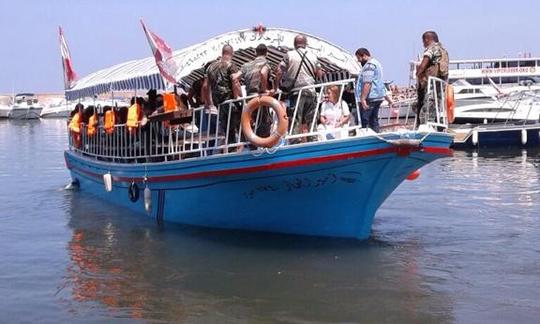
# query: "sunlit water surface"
x,y
460,244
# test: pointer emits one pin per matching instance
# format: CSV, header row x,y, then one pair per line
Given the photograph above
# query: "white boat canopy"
x,y
143,74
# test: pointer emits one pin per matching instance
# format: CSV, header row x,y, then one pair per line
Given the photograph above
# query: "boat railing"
x,y
398,115
210,131
434,112
402,114
514,103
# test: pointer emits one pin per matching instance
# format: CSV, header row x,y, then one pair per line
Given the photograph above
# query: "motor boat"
x,y
517,105
209,175
25,106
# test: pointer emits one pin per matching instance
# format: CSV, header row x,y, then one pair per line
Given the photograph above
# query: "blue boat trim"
x,y
400,151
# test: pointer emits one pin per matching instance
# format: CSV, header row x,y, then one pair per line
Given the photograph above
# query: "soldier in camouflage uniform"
x,y
434,63
223,85
255,75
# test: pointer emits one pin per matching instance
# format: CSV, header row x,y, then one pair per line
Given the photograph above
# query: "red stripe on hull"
x,y
278,165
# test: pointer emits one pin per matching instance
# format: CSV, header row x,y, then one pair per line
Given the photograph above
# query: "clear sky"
x,y
101,33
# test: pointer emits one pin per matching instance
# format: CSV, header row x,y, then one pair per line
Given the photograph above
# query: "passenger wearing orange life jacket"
x,y
75,125
169,105
109,120
92,125
169,102
134,114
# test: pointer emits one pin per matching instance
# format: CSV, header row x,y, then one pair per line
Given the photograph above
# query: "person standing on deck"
x,y
300,68
370,90
434,63
223,85
255,75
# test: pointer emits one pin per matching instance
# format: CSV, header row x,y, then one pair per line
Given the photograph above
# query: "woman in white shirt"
x,y
334,115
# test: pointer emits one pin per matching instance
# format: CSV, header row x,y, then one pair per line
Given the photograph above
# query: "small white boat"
x,y
4,110
56,109
25,106
5,106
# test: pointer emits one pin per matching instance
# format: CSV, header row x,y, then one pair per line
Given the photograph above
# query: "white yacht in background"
x,y
55,108
4,110
491,90
518,105
25,106
467,94
502,71
5,106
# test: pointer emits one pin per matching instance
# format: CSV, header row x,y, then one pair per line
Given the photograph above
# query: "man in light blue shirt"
x,y
370,91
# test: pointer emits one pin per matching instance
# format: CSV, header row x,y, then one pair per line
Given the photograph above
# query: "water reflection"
x,y
128,267
458,244
506,175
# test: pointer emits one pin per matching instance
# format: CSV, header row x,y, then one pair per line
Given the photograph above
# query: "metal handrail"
x,y
158,141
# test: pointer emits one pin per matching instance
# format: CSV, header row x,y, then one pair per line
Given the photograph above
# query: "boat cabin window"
x,y
528,80
487,65
463,66
509,79
512,64
528,63
464,91
481,81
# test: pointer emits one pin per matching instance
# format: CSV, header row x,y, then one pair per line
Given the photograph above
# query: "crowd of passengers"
x,y
223,81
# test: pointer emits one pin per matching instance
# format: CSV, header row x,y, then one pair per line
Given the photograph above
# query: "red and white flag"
x,y
69,74
163,55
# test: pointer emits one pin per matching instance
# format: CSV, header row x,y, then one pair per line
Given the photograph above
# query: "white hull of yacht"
x,y
25,112
56,112
497,111
4,111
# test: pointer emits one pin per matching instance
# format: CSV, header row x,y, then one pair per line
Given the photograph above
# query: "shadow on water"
x,y
131,269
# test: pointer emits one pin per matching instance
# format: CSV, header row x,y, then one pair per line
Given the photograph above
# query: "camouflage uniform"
x,y
437,67
219,80
251,78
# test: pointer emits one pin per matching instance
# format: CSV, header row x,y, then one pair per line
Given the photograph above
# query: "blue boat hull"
x,y
322,189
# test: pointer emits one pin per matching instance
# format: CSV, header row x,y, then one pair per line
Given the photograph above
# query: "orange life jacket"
x,y
169,102
134,112
109,121
75,123
92,123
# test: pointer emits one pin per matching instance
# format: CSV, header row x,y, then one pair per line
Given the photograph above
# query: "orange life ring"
x,y
283,123
450,103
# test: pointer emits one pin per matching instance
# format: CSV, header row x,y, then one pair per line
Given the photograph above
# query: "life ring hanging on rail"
x,y
450,103
283,123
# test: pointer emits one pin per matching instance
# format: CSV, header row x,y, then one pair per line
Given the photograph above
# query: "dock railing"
x,y
217,130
